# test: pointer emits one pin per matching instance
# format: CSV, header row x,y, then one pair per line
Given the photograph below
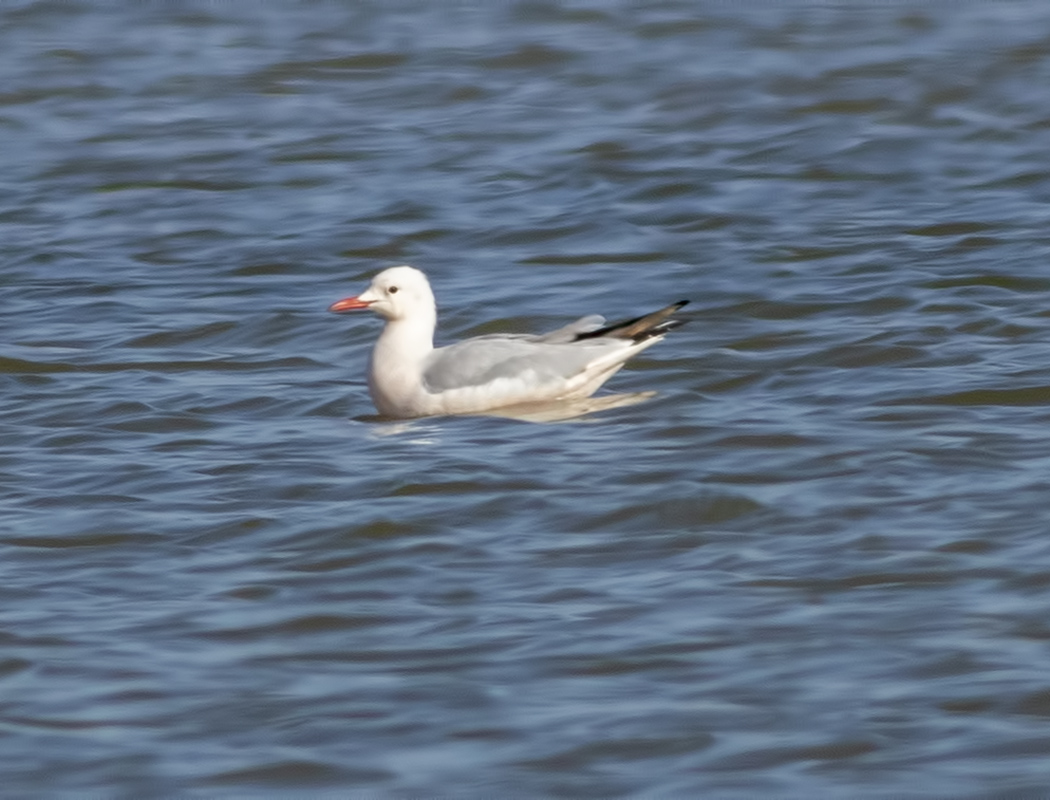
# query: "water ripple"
x,y
224,574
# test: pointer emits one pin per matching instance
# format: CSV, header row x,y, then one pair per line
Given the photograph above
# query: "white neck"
x,y
395,375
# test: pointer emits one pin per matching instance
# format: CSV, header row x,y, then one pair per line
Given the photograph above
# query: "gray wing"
x,y
478,361
536,360
569,333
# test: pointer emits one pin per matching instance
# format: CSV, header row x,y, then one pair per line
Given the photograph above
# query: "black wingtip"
x,y
640,328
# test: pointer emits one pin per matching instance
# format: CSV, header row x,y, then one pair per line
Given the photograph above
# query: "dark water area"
x,y
816,565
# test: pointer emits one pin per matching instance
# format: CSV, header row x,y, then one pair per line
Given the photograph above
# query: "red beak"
x,y
348,304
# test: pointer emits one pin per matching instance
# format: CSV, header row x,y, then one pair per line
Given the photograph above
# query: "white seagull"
x,y
409,377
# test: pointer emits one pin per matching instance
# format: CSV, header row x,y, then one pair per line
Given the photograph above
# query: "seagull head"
x,y
395,293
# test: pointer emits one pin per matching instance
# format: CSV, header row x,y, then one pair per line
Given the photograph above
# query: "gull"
x,y
409,377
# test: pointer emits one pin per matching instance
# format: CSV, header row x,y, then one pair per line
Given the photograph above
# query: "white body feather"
x,y
409,377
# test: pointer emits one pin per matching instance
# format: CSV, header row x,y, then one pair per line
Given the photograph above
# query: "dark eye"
x,y
392,290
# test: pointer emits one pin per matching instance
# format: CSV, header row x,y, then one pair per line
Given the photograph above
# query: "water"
x,y
817,564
